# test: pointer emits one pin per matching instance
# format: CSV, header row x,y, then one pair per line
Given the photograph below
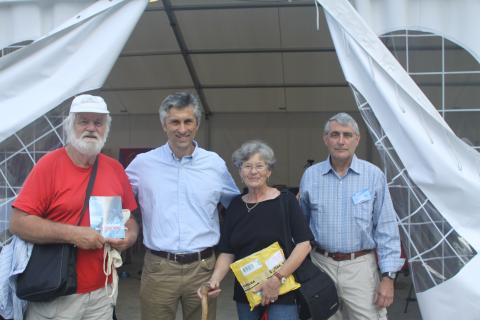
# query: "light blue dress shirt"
x,y
353,212
178,198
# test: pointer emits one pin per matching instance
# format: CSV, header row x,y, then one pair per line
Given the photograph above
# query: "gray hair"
x,y
180,100
343,119
250,148
69,126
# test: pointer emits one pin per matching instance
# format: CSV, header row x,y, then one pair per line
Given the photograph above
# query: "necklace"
x,y
252,207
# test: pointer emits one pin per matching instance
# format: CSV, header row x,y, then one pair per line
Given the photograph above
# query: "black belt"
x,y
340,256
184,258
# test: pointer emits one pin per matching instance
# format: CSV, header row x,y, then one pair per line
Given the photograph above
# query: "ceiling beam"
x,y
186,56
224,6
272,50
279,85
228,51
231,86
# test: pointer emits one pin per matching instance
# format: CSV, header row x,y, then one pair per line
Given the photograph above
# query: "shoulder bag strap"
x,y
91,181
287,232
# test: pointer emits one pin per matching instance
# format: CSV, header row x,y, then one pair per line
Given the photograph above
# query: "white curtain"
x,y
439,165
73,57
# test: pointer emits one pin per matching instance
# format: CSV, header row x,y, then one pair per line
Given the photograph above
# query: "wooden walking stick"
x,y
204,291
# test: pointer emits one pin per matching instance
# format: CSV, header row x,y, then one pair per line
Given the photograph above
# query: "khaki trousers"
x,y
164,283
95,305
357,281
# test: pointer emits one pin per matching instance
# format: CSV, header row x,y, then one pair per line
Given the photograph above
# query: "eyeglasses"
x,y
250,167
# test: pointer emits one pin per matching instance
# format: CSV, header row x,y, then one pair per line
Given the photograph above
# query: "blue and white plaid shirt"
x,y
353,212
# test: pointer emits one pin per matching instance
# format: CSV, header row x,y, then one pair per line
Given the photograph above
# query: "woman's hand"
x,y
213,288
269,289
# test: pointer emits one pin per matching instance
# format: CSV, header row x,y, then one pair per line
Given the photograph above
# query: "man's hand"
x,y
384,296
87,238
123,244
131,234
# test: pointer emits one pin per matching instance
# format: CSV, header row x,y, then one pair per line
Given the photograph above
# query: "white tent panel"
x,y
39,77
455,298
42,18
426,15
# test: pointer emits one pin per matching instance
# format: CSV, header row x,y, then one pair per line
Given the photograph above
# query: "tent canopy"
x,y
240,56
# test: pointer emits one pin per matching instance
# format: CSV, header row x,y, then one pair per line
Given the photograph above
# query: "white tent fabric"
x,y
76,56
22,20
454,20
444,168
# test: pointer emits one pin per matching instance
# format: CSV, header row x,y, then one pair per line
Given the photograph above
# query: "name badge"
x,y
361,196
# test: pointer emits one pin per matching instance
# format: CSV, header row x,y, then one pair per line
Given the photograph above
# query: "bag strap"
x,y
306,270
91,181
287,231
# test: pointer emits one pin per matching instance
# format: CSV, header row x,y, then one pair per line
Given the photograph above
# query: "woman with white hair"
x,y
253,222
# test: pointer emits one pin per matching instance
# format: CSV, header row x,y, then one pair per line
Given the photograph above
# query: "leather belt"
x,y
184,258
339,256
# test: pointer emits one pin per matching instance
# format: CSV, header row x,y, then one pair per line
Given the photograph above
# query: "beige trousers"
x,y
95,305
165,283
357,281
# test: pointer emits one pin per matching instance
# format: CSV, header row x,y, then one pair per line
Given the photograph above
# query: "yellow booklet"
x,y
257,268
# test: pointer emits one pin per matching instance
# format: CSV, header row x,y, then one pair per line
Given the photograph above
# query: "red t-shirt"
x,y
55,189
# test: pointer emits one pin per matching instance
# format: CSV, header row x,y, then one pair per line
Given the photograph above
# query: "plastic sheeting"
x,y
72,58
439,171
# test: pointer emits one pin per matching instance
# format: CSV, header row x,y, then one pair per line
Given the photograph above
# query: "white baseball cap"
x,y
88,103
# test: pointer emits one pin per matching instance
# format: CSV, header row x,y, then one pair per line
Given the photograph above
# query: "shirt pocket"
x,y
362,214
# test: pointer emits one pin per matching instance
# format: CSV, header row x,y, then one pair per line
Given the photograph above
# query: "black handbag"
x,y
51,269
317,297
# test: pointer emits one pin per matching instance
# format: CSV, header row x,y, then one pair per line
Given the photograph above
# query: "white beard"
x,y
87,147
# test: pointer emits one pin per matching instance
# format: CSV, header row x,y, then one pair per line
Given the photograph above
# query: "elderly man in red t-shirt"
x,y
51,200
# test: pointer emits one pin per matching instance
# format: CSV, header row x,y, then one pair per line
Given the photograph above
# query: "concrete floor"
x,y
128,305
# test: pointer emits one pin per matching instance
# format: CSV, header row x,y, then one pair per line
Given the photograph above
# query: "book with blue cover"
x,y
106,216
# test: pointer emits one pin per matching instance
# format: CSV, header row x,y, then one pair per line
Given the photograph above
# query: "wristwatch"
x,y
280,277
391,275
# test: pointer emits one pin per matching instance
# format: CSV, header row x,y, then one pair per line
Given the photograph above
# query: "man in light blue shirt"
x,y
350,212
178,187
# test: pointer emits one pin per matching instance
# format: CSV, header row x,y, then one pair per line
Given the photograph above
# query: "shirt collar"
x,y
174,157
354,166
